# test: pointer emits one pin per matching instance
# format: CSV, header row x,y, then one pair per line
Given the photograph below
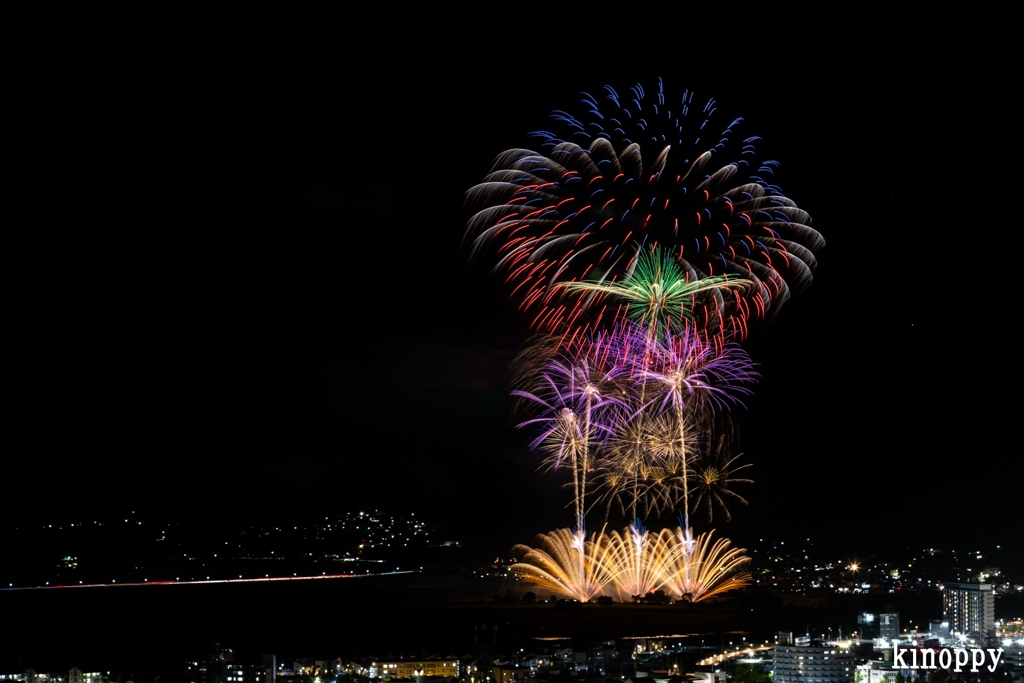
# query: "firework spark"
x,y
657,294
708,569
632,564
630,175
629,411
691,377
643,245
713,474
565,562
642,467
575,398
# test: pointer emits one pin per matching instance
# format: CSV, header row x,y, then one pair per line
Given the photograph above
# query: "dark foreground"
x,y
153,628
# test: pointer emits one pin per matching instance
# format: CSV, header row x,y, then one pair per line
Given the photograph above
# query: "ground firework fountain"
x,y
631,565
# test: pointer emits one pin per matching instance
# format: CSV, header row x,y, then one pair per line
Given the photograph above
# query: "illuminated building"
x,y
938,629
815,662
885,626
220,667
874,671
75,675
970,609
507,674
1013,657
415,668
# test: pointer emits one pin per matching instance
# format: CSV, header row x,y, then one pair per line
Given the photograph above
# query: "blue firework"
x,y
635,172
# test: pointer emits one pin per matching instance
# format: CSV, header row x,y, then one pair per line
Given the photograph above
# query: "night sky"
x,y
233,286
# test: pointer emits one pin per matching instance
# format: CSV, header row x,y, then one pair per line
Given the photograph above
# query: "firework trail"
x,y
691,376
629,175
577,401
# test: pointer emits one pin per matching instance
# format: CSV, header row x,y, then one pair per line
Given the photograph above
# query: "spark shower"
x,y
643,247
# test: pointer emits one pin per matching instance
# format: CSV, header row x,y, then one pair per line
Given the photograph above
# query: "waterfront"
x,y
146,626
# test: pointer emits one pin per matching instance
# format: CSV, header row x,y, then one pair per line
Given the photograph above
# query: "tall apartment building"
x,y
970,609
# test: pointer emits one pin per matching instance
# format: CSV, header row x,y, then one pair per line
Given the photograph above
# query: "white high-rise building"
x,y
813,663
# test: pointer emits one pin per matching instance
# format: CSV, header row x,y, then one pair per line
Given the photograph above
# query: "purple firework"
x,y
578,401
689,375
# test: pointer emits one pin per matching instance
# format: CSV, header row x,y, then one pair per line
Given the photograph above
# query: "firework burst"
x,y
643,240
691,377
657,294
642,466
688,372
629,412
630,175
713,475
575,398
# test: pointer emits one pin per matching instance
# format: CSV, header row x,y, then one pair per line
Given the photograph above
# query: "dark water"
x,y
136,625
139,628
142,631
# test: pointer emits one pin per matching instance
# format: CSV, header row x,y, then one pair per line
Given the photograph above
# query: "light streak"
x,y
199,582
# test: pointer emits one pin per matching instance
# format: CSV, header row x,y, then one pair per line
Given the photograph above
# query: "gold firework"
x,y
713,475
709,569
631,564
564,562
642,471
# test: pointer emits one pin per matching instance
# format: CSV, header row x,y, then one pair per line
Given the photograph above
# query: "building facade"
x,y
874,626
970,609
816,662
415,668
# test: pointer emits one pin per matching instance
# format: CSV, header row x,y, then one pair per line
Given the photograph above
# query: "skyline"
x,y
243,294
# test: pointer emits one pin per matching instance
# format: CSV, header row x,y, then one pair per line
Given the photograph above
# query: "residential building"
x,y
970,609
815,662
